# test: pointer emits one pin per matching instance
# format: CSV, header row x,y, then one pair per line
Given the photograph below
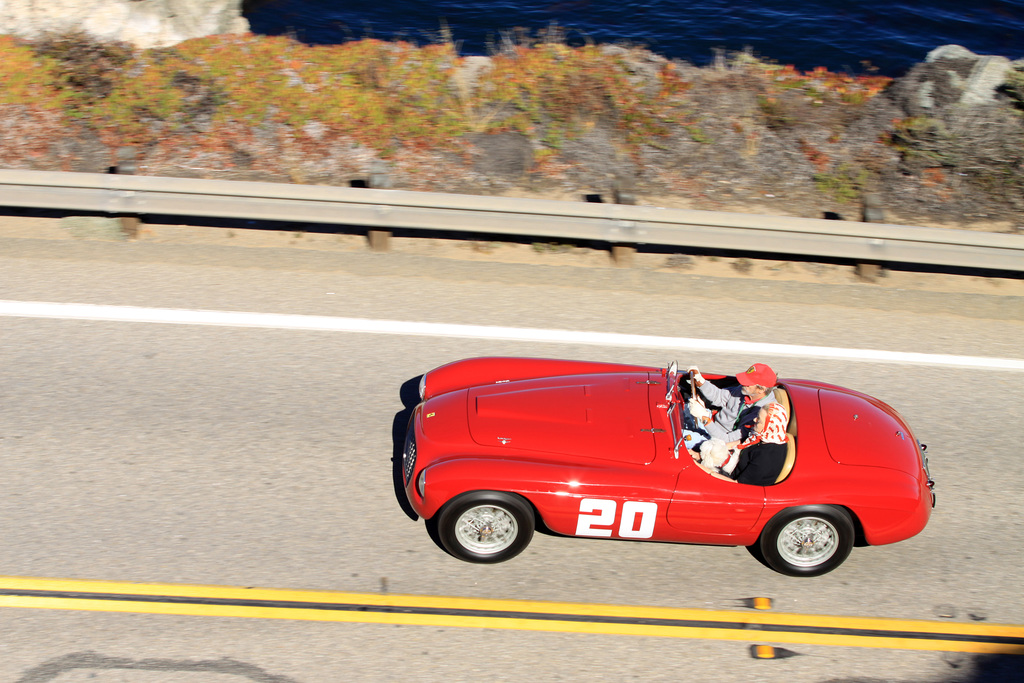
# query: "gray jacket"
x,y
735,419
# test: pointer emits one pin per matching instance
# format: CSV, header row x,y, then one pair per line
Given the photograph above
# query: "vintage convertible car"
x,y
500,445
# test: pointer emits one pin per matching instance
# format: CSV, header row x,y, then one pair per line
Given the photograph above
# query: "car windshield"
x,y
674,406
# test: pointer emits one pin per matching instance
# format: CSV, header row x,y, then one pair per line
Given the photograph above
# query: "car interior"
x,y
782,396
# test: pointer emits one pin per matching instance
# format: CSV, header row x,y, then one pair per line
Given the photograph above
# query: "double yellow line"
x,y
261,603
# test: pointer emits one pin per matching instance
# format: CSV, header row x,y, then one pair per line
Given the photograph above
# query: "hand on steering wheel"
x,y
698,410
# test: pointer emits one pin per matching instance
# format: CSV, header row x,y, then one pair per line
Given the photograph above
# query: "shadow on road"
x,y
410,397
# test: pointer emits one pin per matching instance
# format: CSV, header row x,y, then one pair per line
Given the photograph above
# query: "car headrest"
x,y
782,396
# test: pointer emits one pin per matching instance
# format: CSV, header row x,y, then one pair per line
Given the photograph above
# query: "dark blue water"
x,y
846,35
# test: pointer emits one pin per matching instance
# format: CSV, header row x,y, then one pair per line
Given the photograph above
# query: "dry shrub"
x,y
87,67
986,145
1014,87
27,134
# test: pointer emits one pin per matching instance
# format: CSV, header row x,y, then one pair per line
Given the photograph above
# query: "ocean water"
x,y
854,36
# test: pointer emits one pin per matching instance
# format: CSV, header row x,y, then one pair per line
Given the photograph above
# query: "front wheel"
x,y
807,541
485,526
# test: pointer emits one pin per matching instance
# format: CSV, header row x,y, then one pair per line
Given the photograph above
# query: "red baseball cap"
x,y
758,373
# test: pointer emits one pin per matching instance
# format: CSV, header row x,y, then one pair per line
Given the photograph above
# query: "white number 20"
x,y
597,512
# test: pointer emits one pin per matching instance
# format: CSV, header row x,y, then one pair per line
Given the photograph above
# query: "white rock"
x,y
988,74
950,52
144,23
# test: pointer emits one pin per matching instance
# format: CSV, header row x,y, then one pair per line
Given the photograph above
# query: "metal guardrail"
x,y
543,219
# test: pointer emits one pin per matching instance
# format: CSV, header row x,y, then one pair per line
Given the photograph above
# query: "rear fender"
x,y
888,505
896,514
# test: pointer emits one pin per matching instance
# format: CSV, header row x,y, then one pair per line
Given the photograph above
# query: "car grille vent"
x,y
409,456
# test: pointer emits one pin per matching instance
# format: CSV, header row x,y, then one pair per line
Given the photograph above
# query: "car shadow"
x,y
410,396
757,554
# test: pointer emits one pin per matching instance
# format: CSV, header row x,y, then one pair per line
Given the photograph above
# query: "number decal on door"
x,y
605,516
631,510
637,521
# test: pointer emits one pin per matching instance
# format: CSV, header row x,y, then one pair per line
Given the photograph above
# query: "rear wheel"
x,y
807,541
485,526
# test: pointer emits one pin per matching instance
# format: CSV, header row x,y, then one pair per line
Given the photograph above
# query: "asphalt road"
x,y
260,457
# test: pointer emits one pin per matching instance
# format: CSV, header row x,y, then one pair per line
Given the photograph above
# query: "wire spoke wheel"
x,y
807,541
485,526
486,529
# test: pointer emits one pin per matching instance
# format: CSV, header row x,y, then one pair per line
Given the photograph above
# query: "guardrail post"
x,y
622,255
623,192
380,240
871,212
126,165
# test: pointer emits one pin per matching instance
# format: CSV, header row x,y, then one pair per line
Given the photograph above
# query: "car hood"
x,y
603,416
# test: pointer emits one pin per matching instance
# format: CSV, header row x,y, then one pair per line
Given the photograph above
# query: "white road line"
x,y
31,309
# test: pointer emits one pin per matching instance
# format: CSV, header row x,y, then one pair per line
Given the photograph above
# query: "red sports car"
x,y
499,445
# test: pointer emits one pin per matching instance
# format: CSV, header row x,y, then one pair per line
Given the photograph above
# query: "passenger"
x,y
738,405
762,454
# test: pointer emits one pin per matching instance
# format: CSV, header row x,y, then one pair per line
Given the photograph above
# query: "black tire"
x,y
807,541
485,526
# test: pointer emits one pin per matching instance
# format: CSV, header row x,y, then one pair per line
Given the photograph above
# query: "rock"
x,y
949,52
952,74
680,262
642,64
624,188
80,150
924,98
144,23
988,74
467,73
507,155
873,210
380,178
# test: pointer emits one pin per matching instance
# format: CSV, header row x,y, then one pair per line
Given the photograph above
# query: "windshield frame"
x,y
674,406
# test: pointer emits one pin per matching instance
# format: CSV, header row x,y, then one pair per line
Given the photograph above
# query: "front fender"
x,y
453,476
553,489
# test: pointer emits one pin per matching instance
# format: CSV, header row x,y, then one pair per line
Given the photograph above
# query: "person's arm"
x,y
716,431
715,394
730,405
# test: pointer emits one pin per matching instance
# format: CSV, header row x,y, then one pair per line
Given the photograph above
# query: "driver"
x,y
738,406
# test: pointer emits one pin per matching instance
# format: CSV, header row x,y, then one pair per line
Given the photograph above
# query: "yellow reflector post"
x,y
769,652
